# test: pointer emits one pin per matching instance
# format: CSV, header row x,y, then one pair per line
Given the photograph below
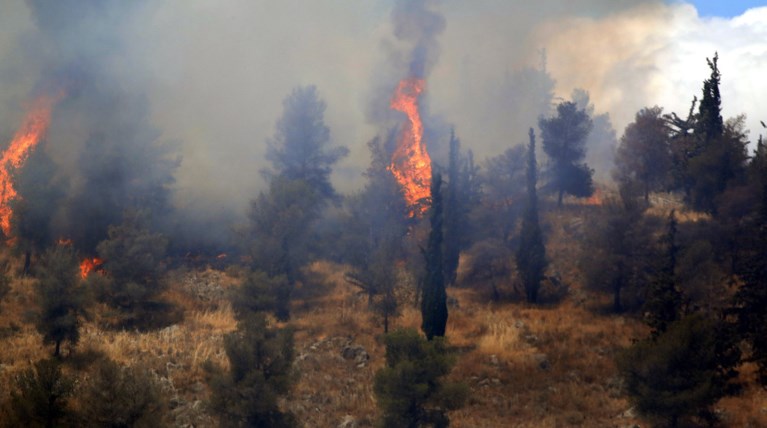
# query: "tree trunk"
x,y
386,322
617,307
27,262
559,199
57,352
646,192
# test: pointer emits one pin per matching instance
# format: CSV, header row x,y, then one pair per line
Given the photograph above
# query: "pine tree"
x,y
434,299
117,397
61,297
41,396
564,141
644,154
679,373
531,255
300,148
260,372
132,257
410,390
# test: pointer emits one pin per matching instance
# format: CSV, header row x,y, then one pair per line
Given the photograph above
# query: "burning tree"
x,y
411,164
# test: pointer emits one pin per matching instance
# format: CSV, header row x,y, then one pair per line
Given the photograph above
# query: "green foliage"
x,y
460,194
375,224
710,124
299,149
61,297
434,299
502,179
751,297
531,254
40,396
280,222
679,373
118,397
564,139
259,292
709,153
260,362
409,388
663,305
617,253
719,163
132,258
644,154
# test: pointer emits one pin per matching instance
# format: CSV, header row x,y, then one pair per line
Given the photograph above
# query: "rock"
x,y
348,421
542,360
356,353
531,338
494,360
630,413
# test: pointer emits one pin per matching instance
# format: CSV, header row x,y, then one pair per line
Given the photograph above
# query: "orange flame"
x,y
410,163
595,199
89,265
32,130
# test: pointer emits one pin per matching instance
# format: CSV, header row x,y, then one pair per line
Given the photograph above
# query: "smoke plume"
x,y
149,83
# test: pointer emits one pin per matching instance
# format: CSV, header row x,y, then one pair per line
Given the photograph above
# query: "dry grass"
x,y
526,366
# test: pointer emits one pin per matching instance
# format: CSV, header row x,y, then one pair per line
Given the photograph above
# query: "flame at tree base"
x,y
32,130
410,163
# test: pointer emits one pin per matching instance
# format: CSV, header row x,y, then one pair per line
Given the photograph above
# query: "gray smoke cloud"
x,y
211,76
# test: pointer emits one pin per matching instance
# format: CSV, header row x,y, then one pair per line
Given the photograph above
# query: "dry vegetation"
x,y
549,366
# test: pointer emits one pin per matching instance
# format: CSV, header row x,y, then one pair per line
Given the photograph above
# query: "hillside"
x,y
547,366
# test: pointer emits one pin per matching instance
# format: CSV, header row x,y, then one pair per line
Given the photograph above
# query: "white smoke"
x,y
215,73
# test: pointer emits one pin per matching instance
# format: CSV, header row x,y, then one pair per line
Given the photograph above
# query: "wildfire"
x,y
32,130
595,199
410,163
89,265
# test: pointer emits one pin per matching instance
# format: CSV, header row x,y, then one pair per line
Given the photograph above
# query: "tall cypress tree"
x,y
434,298
531,255
453,212
710,122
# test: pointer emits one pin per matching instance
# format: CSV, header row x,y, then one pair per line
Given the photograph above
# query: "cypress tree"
x,y
452,212
434,299
664,301
531,255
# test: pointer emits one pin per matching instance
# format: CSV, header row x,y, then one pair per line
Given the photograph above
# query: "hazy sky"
x,y
215,73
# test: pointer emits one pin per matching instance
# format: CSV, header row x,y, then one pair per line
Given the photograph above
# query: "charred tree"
x,y
434,299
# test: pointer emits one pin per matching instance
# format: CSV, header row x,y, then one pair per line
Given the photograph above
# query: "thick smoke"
x,y
212,76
